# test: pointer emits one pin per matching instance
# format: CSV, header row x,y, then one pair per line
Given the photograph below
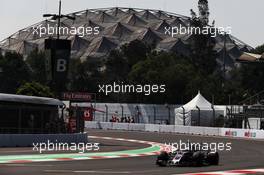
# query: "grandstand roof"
x,y
250,57
117,26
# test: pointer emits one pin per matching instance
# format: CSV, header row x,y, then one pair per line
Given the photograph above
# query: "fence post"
x,y
154,108
199,116
184,122
106,112
213,116
122,111
137,114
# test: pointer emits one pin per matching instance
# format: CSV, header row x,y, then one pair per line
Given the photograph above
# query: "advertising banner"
x,y
58,56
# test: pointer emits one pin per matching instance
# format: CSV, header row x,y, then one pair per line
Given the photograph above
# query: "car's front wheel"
x,y
163,159
162,163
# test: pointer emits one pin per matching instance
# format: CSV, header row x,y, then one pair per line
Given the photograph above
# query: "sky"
x,y
244,16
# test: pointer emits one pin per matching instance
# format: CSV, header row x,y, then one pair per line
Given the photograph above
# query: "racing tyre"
x,y
213,158
163,159
198,159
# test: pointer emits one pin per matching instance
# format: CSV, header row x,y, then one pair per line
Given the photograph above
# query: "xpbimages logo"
x,y
174,31
63,30
57,146
130,88
192,146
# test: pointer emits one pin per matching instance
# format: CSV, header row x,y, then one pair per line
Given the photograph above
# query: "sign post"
x,y
57,63
80,115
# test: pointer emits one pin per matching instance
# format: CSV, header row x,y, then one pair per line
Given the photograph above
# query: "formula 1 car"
x,y
188,158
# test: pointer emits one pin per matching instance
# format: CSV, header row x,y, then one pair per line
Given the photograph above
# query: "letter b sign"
x,y
59,58
61,65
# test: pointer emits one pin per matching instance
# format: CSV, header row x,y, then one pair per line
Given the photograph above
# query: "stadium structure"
x,y
120,25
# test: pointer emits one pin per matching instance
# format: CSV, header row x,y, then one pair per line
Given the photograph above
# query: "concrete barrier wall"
x,y
120,126
167,128
152,128
245,133
25,140
136,127
105,125
230,132
259,133
210,131
182,129
92,125
197,130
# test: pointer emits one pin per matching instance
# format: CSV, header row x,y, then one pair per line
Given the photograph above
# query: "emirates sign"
x,y
77,96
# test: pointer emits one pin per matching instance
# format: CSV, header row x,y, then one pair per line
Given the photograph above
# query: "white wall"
x,y
204,131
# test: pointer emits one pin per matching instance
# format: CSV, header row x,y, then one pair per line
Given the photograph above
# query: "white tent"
x,y
198,112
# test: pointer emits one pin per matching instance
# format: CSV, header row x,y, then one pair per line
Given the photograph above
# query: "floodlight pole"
x,y
59,16
59,21
224,60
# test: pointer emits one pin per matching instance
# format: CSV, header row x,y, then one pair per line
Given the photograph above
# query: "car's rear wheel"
x,y
198,158
213,158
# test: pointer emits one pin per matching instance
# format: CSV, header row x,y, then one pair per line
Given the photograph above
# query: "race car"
x,y
187,158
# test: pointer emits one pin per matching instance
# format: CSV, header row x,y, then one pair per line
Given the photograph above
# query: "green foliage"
x,y
14,72
85,75
116,66
136,63
36,60
166,68
34,89
252,75
259,49
135,51
183,76
203,56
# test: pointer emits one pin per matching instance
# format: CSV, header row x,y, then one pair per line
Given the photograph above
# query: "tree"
x,y
164,69
34,89
14,72
116,67
203,11
259,49
85,76
203,56
37,60
1,69
252,75
135,51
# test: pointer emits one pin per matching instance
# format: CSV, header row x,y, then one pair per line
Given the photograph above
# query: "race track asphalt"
x,y
245,154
